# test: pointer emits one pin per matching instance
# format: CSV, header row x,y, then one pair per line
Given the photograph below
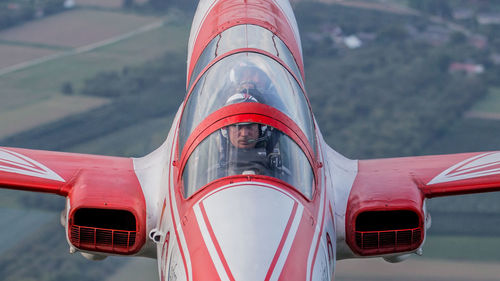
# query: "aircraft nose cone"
x,y
248,230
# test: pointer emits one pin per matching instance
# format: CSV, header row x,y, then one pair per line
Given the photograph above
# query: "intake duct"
x,y
103,230
386,232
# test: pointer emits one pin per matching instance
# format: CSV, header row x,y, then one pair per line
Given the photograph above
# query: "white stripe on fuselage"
x,y
210,244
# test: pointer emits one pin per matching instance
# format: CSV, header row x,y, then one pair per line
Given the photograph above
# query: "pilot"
x,y
245,148
251,77
254,81
244,135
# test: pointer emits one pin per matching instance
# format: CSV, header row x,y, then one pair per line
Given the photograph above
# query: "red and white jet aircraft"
x,y
244,187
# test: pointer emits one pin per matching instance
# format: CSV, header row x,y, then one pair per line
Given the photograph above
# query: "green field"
x,y
142,139
490,104
465,248
39,82
53,109
136,269
21,224
466,135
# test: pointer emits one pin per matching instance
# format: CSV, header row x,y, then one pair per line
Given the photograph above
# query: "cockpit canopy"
x,y
248,149
262,77
252,147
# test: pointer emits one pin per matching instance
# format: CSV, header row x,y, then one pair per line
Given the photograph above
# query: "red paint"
x,y
295,267
202,265
226,14
91,181
401,184
282,242
69,166
215,242
114,188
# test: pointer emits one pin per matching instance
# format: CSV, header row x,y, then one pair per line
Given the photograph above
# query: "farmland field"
x,y
445,258
490,104
416,269
76,28
145,137
136,269
101,3
21,223
12,55
41,81
54,108
467,134
33,87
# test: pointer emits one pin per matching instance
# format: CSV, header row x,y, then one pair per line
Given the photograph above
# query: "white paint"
x,y
288,244
317,230
340,173
473,167
23,165
249,222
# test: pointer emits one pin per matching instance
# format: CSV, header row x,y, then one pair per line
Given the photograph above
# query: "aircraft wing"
x,y
437,175
58,172
106,208
386,212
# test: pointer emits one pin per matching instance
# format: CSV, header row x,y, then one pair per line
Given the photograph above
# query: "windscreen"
x,y
248,149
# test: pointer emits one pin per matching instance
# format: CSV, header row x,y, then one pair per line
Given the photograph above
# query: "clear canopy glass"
x,y
258,76
248,149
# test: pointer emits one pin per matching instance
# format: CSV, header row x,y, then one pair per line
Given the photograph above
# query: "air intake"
x,y
103,230
384,232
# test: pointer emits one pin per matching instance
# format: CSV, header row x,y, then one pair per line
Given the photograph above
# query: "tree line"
x,y
16,12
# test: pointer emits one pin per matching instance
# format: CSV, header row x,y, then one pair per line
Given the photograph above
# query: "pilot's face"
x,y
244,136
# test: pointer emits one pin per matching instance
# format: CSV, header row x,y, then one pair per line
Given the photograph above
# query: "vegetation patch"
x,y
44,257
466,248
393,94
490,103
42,81
21,223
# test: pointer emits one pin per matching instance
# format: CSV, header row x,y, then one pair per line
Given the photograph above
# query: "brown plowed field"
x,y
106,3
12,55
75,28
100,3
